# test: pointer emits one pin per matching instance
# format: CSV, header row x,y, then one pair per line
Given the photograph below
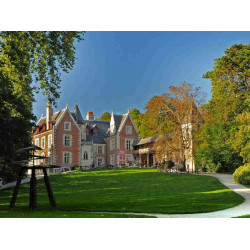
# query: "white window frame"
x,y
69,158
43,142
128,144
100,152
129,130
112,159
67,126
49,140
37,142
42,161
70,140
112,144
99,161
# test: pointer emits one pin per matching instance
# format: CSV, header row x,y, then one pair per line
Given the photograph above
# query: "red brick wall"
x,y
59,146
124,136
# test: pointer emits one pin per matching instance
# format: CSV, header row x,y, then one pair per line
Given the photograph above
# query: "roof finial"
x,y
42,115
67,106
128,110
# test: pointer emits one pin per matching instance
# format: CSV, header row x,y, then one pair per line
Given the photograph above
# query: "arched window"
x,y
85,155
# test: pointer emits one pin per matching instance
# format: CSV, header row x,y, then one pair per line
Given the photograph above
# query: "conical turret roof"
x,y
78,114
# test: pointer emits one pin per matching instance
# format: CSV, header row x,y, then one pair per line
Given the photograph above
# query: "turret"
x,y
112,124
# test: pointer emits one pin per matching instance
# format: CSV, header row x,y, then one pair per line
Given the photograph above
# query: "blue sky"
x,y
121,70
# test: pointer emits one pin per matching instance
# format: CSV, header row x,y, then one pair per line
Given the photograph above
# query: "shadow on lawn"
x,y
130,190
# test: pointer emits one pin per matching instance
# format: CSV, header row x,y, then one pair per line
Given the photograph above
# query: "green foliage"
x,y
29,62
242,174
224,137
169,164
105,117
78,168
241,140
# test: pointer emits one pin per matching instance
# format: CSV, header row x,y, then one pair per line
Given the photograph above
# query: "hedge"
x,y
242,174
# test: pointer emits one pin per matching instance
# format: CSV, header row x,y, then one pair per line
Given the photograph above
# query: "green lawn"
x,y
67,214
244,216
128,190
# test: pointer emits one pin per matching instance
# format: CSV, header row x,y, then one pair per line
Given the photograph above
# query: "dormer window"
x,y
95,130
67,126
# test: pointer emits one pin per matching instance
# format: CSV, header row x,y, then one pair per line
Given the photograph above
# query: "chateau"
x,y
69,140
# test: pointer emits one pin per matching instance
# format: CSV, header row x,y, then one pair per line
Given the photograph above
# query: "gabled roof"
x,y
124,116
55,117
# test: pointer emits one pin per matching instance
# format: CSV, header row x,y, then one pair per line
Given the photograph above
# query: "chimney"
x,y
49,113
90,116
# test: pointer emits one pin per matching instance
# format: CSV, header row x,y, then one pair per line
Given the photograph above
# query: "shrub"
x,y
169,164
242,174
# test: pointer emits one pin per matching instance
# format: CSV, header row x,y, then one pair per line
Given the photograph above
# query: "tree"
x,y
175,117
105,117
221,139
29,62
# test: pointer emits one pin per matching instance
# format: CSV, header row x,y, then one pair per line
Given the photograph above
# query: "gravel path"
x,y
26,180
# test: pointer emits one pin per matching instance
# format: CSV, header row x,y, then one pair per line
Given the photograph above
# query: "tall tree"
x,y
219,139
29,62
175,117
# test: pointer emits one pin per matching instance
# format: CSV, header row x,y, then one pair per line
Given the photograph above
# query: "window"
x,y
99,162
85,155
128,144
43,142
67,140
67,126
50,159
99,149
49,141
42,160
37,142
66,157
112,144
112,160
129,130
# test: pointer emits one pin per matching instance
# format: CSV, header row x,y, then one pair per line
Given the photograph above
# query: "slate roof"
x,y
103,126
145,141
119,126
55,117
77,114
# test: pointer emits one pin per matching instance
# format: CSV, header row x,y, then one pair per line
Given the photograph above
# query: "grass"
x,y
243,216
128,190
67,214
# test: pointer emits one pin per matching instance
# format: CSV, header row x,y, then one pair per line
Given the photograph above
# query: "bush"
x,y
78,168
242,174
169,164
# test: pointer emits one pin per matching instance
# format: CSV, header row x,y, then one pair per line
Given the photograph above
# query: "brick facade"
x,y
85,136
60,148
